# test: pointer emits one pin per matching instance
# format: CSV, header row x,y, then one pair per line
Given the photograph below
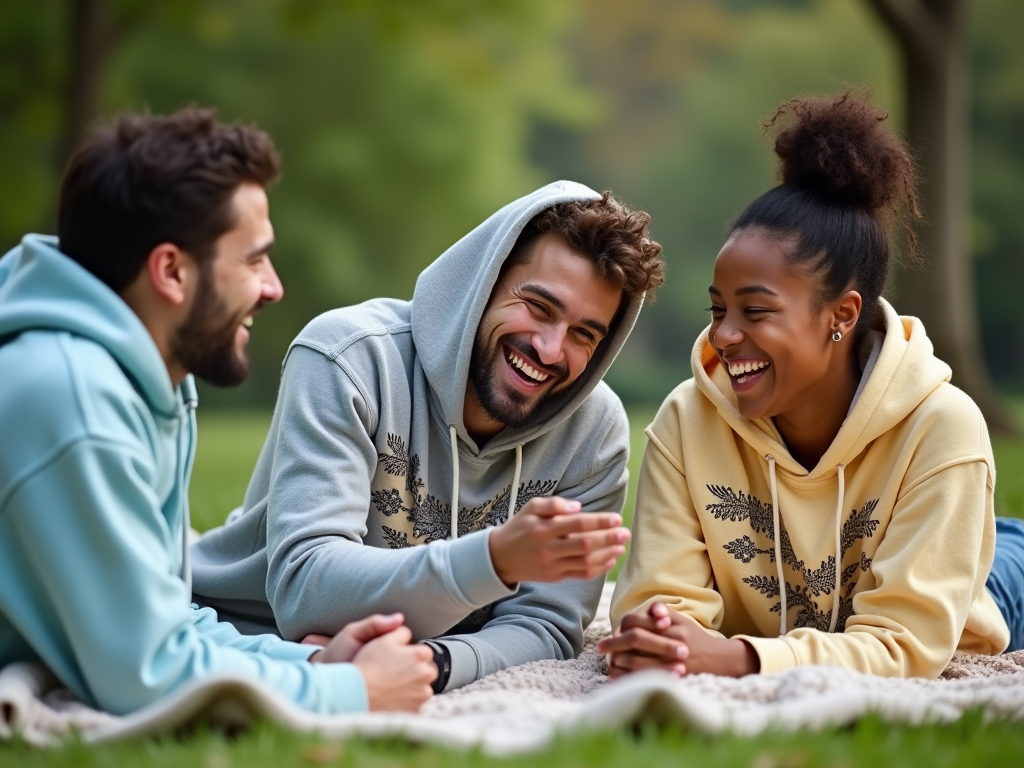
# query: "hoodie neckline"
x,y
905,371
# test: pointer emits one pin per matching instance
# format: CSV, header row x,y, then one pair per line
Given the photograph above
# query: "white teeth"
x,y
737,369
247,322
526,368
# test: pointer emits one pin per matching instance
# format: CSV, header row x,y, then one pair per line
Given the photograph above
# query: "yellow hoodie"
x,y
904,492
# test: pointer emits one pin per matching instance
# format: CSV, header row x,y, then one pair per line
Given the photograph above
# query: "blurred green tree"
x,y
402,123
932,38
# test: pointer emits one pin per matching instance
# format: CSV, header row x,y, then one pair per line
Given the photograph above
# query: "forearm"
x,y
324,585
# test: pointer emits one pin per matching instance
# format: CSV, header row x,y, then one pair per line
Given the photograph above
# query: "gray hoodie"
x,y
357,474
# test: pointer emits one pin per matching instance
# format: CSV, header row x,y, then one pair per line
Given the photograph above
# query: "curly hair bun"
x,y
838,148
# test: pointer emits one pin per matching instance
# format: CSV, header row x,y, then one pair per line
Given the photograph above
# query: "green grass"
x,y
228,446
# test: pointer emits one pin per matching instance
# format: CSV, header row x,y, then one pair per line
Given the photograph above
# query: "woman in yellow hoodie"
x,y
818,447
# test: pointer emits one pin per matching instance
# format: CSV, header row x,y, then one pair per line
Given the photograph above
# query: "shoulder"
x,y
948,425
59,389
601,414
335,331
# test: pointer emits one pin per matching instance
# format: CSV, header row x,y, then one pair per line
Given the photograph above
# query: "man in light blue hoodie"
x,y
160,265
433,457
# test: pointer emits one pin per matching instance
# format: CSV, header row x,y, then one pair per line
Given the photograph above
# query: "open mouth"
x,y
745,373
523,370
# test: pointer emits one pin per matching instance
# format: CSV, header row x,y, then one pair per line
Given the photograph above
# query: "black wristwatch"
x,y
443,661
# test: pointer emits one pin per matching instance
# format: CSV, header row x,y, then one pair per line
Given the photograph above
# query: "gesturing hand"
x,y
549,539
397,674
347,643
662,639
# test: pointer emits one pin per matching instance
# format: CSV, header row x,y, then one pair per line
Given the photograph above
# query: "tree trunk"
x,y
90,37
931,36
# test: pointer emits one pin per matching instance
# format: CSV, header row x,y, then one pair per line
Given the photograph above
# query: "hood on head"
x,y
904,374
449,301
41,288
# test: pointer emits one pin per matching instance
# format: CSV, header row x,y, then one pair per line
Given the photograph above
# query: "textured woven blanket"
x,y
523,708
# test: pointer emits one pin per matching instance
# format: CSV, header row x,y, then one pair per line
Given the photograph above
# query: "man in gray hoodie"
x,y
472,419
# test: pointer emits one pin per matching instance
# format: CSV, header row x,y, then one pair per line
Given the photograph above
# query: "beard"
x,y
504,404
204,344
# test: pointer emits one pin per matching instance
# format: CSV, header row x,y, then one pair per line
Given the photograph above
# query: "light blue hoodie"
x,y
96,449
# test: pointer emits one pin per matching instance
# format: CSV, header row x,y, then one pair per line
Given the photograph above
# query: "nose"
x,y
273,289
726,335
548,343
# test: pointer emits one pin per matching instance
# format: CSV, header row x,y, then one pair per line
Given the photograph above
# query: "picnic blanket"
x,y
523,708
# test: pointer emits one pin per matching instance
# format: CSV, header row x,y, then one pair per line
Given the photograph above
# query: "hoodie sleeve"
x,y
320,575
546,621
99,600
668,560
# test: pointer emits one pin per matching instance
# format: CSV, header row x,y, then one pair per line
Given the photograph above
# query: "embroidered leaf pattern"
x,y
395,539
432,518
739,507
498,512
388,502
396,462
766,585
746,550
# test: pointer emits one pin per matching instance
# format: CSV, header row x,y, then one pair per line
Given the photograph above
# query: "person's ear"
x,y
172,273
845,313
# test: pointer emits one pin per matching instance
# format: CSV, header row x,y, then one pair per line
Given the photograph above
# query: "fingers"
x,y
589,566
321,640
373,626
581,544
641,641
564,525
624,663
657,624
550,506
400,636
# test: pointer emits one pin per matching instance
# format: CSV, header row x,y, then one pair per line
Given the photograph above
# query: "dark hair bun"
x,y
838,148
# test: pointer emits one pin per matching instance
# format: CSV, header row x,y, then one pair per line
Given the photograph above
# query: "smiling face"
x,y
542,325
212,341
773,338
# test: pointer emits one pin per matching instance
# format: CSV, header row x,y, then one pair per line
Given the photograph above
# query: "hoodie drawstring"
x,y
776,524
841,469
513,493
778,542
455,482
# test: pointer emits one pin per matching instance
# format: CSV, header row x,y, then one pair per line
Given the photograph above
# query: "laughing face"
x,y
542,325
773,339
212,341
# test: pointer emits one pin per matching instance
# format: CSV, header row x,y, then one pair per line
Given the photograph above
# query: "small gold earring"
x,y
837,336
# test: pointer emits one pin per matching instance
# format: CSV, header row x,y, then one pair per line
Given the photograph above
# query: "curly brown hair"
x,y
615,237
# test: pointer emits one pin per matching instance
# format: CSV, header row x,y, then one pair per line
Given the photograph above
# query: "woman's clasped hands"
x,y
660,638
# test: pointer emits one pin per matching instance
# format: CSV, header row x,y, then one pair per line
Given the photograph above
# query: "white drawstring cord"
x,y
514,493
839,546
776,523
455,481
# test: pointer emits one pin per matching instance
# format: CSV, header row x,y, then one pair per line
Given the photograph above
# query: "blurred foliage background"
x,y
404,123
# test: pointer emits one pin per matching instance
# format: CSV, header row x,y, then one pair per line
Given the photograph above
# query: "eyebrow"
x,y
260,250
556,302
746,290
